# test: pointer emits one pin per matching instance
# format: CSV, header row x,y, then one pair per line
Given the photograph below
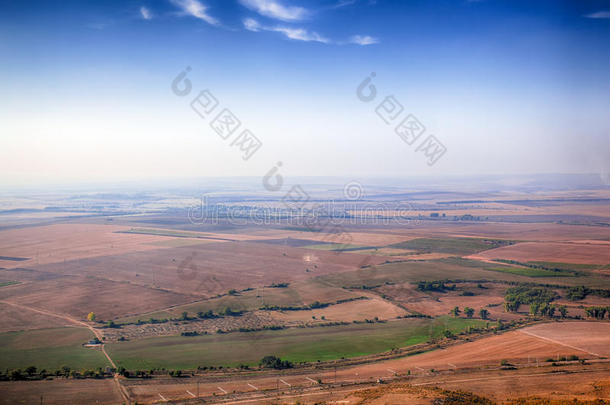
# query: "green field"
x,y
571,266
452,269
338,247
6,283
529,272
296,344
49,349
456,246
172,233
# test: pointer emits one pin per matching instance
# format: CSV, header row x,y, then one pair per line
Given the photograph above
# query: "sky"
x,y
92,89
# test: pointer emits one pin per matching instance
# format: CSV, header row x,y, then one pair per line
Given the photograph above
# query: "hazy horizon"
x,y
508,87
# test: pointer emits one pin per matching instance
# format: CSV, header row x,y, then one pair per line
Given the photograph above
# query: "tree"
x,y
275,362
456,311
91,317
469,312
484,313
185,316
31,370
563,310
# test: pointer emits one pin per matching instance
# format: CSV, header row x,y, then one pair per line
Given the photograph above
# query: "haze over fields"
x,y
506,86
312,202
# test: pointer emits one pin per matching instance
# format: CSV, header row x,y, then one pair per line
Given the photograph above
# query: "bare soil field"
x,y
79,295
14,319
346,312
501,387
561,385
587,253
593,337
214,268
61,242
57,391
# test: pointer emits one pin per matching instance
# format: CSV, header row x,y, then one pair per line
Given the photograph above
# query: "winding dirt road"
x,y
75,321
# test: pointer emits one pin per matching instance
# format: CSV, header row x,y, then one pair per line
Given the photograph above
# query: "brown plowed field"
x,y
215,268
586,253
60,391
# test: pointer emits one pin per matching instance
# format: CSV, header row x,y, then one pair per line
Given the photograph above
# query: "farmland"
x,y
296,345
49,349
165,294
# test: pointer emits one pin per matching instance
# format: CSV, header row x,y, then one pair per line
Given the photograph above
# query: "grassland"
x,y
570,266
453,269
456,246
168,232
7,283
295,295
296,345
338,247
529,272
49,349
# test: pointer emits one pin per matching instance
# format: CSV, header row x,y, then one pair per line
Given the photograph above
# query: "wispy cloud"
x,y
275,9
145,13
195,9
363,40
297,34
301,34
343,3
252,25
599,14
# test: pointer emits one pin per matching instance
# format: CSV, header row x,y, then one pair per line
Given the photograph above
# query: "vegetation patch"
x,y
457,246
294,344
49,349
544,269
531,272
516,296
7,283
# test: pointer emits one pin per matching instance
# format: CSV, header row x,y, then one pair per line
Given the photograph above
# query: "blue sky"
x,y
506,86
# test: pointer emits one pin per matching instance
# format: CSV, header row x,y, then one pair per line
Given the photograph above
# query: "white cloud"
x,y
343,3
599,14
301,34
145,13
252,25
196,9
274,9
298,34
363,40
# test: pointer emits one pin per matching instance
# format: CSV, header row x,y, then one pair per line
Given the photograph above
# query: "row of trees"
x,y
597,312
33,373
469,312
548,309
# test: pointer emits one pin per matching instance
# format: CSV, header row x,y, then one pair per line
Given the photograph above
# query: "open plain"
x,y
495,298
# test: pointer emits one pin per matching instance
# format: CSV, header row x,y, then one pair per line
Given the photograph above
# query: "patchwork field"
x,y
296,345
376,300
583,253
